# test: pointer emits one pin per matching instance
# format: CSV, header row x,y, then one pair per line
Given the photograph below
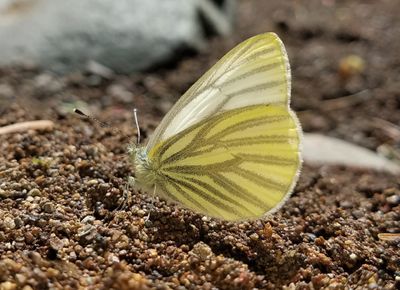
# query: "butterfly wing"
x,y
254,72
235,165
229,148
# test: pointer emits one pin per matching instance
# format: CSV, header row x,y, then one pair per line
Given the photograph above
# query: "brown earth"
x,y
61,189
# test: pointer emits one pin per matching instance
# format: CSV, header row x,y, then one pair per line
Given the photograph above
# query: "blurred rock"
x,y
320,149
99,69
123,36
350,66
49,83
6,91
120,93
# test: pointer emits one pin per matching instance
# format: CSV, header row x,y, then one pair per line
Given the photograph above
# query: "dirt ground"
x,y
61,189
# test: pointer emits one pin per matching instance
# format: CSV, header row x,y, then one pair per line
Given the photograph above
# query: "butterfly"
x,y
230,147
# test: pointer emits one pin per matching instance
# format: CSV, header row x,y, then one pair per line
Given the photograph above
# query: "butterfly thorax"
x,y
145,175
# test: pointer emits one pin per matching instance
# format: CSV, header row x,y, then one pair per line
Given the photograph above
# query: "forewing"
x,y
236,165
254,72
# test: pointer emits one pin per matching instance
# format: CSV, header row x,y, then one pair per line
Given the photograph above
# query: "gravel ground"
x,y
62,189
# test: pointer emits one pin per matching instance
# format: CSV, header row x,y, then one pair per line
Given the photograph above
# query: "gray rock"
x,y
320,149
124,36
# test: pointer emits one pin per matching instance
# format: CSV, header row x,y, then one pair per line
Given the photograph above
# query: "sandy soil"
x,y
61,189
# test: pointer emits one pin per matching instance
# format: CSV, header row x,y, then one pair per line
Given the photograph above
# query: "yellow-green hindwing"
x,y
230,147
235,165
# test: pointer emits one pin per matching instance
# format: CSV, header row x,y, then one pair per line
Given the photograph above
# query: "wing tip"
x,y
271,37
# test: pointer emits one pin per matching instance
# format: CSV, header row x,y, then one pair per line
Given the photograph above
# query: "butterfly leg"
x,y
127,196
151,204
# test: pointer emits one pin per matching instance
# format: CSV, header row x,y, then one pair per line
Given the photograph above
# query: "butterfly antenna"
x,y
137,125
102,124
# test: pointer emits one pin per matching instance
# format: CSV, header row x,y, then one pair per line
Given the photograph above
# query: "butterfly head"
x,y
144,173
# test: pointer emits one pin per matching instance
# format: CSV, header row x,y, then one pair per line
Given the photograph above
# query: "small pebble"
x,y
394,199
8,286
254,237
353,256
48,207
9,223
34,192
202,251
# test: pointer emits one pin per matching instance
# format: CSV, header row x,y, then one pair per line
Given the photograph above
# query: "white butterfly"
x,y
230,147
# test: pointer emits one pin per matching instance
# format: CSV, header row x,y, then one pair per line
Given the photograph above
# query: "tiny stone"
x,y
8,286
18,222
9,223
357,213
34,192
36,258
394,199
152,253
112,259
254,236
76,196
92,182
268,231
56,244
353,256
72,256
202,251
51,272
320,241
21,279
133,229
4,194
87,231
346,204
48,207
205,219
11,265
212,224
311,236
88,219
